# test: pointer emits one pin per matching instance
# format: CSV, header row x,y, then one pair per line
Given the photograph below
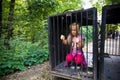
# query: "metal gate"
x,y
110,43
59,24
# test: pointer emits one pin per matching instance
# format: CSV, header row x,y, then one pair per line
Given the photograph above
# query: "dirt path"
x,y
37,72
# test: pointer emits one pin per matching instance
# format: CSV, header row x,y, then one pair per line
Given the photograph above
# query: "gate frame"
x,y
102,43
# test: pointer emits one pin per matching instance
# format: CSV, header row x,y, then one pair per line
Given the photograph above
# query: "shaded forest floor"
x,y
36,72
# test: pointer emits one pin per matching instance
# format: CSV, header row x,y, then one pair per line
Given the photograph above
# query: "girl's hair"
x,y
75,24
69,38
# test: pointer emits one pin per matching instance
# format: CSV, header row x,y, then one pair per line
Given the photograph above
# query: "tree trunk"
x,y
9,24
0,18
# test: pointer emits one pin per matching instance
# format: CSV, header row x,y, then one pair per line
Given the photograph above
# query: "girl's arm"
x,y
80,44
62,37
81,41
66,41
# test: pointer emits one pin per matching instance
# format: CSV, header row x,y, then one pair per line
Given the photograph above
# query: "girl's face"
x,y
74,30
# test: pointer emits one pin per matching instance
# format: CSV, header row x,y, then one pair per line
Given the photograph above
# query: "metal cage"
x,y
110,43
59,24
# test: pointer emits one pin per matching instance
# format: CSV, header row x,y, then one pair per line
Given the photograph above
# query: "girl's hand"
x,y
77,40
80,44
62,37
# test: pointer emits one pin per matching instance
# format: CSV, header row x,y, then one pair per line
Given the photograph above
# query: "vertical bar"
x,y
81,29
71,20
0,18
116,49
102,43
107,41
50,36
110,50
49,41
76,17
66,32
76,30
62,33
54,40
119,44
81,21
113,42
87,17
58,40
95,44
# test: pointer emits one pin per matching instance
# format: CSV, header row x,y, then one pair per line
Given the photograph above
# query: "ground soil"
x,y
36,72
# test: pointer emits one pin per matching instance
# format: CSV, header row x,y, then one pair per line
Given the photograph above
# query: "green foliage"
x,y
98,6
100,3
10,62
112,1
11,66
42,8
87,31
5,11
68,5
22,54
114,27
29,41
36,56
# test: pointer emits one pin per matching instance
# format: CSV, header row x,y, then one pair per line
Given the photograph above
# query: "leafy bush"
x,y
36,55
10,62
87,31
21,55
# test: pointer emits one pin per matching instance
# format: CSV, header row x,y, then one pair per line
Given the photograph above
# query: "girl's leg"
x,y
78,59
84,63
69,59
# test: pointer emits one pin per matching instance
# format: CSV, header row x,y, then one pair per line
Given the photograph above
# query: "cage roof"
x,y
83,16
112,14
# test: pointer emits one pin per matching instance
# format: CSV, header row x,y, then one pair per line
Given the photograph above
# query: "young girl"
x,y
76,41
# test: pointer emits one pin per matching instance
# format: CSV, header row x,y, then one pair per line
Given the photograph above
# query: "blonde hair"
x,y
69,38
75,24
